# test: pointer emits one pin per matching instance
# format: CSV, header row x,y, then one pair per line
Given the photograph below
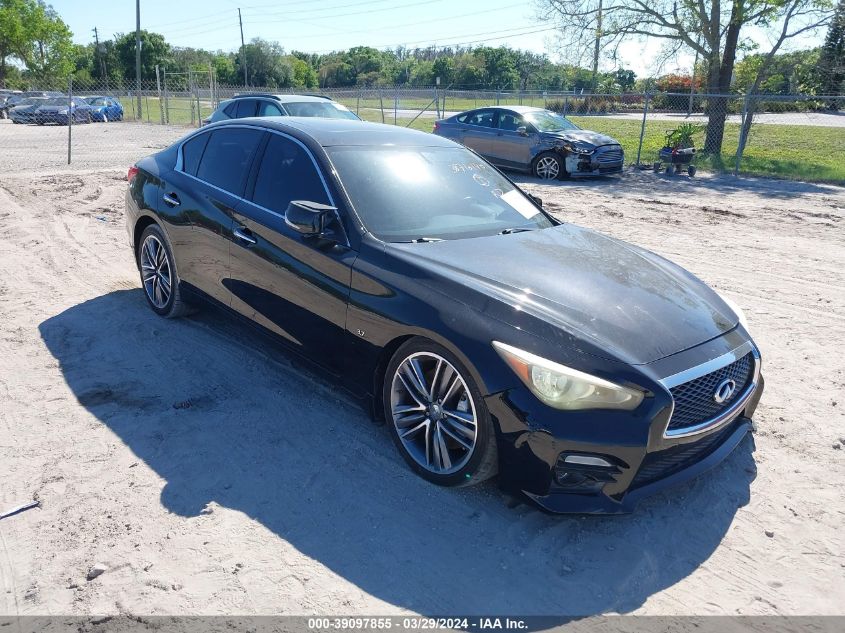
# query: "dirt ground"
x,y
209,474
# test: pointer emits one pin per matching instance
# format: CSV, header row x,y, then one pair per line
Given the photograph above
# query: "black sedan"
x,y
543,143
492,338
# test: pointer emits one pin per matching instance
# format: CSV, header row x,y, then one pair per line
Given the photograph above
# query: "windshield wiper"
x,y
423,240
515,229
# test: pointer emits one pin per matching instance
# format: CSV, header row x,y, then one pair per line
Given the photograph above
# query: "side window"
x,y
286,174
481,118
227,158
231,109
192,152
246,107
265,108
462,118
509,121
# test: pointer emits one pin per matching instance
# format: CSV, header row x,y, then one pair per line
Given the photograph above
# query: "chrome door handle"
x,y
171,200
243,234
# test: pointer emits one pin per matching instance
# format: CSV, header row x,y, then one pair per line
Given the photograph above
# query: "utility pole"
x,y
243,49
596,51
138,112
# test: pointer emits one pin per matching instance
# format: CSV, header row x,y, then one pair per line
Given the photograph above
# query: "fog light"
x,y
587,460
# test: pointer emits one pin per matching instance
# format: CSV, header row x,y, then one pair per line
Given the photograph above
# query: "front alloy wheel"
x,y
548,167
438,419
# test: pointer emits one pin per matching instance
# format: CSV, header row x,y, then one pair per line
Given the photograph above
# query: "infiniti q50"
x,y
491,338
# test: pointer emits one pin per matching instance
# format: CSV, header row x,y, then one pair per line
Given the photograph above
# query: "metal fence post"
x,y
158,89
395,102
381,104
642,128
743,133
358,102
166,101
69,115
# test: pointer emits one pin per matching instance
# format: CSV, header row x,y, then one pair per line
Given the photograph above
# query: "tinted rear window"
x,y
246,107
227,157
322,109
192,152
286,174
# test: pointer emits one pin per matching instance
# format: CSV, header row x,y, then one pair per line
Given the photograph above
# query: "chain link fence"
x,y
794,136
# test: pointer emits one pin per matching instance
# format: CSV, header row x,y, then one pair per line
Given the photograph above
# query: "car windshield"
x,y
322,109
547,121
56,101
31,101
97,101
405,194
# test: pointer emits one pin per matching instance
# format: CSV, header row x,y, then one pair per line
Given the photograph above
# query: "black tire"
x,y
483,460
175,306
540,169
691,170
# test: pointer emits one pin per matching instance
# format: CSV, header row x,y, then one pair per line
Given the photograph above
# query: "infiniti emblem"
x,y
724,391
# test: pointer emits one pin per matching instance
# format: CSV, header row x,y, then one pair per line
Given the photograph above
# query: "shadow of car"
x,y
222,417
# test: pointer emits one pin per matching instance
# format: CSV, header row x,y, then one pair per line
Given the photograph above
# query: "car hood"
x,y
583,136
54,108
627,303
25,108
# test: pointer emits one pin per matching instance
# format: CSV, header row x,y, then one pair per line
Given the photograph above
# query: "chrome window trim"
x,y
706,368
179,163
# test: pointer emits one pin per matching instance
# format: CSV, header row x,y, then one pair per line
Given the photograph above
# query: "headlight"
x,y
737,310
562,387
578,148
62,112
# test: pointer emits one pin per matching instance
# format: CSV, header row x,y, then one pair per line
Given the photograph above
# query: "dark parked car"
x,y
18,97
105,109
24,109
590,375
4,97
249,105
62,111
539,141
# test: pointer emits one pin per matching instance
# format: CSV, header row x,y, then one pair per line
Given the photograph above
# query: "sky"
x,y
320,26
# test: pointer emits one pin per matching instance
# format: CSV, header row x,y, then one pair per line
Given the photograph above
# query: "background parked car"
x,y
4,96
18,97
62,110
247,105
533,139
24,110
105,108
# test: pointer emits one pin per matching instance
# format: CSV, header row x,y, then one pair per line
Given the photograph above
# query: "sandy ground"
x,y
210,474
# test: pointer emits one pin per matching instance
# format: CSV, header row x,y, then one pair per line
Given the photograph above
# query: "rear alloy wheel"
x,y
548,166
158,274
437,416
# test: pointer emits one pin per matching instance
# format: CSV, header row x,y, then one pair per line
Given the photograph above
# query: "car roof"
x,y
513,108
343,132
284,98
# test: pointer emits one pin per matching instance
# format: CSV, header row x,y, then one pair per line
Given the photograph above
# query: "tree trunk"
x,y
719,80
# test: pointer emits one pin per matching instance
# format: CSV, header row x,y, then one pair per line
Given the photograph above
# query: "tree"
x,y
268,64
34,34
154,51
832,59
710,27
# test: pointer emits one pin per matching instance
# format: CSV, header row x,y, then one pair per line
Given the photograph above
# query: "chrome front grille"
x,y
610,154
695,402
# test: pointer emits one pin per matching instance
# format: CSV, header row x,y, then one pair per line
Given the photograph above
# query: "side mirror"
x,y
309,219
522,130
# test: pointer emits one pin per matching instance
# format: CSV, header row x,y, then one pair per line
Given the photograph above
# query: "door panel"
x,y
295,286
508,147
478,131
202,258
215,168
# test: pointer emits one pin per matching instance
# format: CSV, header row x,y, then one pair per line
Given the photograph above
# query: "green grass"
x,y
800,152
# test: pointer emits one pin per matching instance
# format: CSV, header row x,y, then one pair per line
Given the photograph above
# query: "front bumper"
x,y
640,459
